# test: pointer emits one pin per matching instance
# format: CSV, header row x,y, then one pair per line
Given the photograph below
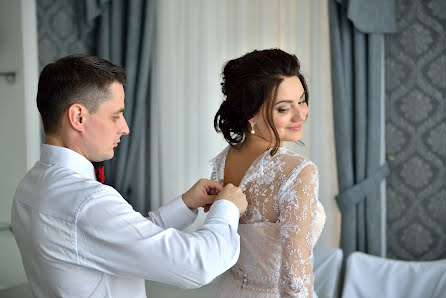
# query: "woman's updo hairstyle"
x,y
247,83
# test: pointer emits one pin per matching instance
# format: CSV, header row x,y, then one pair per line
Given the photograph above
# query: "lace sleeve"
x,y
298,199
212,164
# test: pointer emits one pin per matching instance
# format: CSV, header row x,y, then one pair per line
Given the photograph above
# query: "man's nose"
x,y
125,129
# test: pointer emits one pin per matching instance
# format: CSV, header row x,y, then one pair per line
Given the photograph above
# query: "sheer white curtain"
x,y
195,38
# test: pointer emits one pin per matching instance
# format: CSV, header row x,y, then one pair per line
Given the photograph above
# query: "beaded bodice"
x,y
281,225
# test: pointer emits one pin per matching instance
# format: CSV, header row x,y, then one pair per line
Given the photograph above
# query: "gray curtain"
x,y
123,33
357,30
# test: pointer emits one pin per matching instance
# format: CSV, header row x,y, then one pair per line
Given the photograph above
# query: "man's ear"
x,y
76,116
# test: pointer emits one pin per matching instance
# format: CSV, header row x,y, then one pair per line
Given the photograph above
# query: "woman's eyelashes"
x,y
282,110
287,107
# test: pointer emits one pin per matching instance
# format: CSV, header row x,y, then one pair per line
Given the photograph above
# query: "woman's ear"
x,y
76,116
255,117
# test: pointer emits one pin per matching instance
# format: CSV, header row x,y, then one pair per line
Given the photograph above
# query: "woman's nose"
x,y
300,114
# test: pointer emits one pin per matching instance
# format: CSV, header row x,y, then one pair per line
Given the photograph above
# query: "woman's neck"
x,y
256,143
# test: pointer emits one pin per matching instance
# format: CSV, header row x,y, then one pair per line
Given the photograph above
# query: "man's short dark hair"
x,y
73,79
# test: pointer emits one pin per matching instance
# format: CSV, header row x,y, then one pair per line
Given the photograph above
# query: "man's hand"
x,y
205,192
235,195
202,194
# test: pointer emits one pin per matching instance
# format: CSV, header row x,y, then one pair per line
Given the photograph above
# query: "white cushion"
x,y
371,276
327,271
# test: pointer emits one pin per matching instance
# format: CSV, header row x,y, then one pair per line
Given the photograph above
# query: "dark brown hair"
x,y
249,82
73,79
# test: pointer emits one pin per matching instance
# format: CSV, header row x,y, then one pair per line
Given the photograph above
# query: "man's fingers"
x,y
213,191
235,195
209,199
212,187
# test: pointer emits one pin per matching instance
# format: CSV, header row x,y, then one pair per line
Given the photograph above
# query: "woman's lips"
x,y
296,128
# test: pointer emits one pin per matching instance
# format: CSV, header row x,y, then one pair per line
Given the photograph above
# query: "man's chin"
x,y
110,156
105,157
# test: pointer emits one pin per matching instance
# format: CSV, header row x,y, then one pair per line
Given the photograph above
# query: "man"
x,y
80,238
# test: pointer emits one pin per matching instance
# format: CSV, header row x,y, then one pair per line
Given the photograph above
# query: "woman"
x,y
266,103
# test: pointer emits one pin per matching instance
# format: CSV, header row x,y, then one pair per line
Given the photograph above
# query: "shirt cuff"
x,y
224,209
177,213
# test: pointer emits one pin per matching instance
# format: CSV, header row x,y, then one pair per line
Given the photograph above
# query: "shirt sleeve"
x,y
174,214
113,238
297,219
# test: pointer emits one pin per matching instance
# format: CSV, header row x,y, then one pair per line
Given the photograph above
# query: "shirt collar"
x,y
67,158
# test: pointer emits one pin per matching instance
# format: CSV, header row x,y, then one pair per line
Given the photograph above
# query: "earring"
x,y
252,128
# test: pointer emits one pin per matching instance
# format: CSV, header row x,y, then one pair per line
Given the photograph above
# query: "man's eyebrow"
x,y
120,111
289,100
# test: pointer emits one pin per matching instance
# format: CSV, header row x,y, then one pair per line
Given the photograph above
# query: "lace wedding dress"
x,y
279,229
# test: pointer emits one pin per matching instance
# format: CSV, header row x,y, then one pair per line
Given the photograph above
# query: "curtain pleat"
x,y
358,88
124,35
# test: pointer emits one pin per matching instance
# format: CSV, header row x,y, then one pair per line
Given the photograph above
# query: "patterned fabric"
x,y
416,131
278,230
58,31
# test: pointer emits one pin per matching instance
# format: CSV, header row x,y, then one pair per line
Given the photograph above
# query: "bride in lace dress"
x,y
266,103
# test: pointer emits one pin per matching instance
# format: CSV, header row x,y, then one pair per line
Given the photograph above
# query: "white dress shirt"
x,y
80,238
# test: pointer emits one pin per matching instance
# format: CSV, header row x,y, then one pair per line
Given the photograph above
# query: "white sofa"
x,y
371,276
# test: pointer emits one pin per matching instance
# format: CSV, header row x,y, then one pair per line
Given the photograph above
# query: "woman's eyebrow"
x,y
288,100
284,101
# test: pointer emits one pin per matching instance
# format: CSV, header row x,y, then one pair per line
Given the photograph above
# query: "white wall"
x,y
19,120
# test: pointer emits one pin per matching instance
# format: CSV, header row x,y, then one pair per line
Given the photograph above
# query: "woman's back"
x,y
279,228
